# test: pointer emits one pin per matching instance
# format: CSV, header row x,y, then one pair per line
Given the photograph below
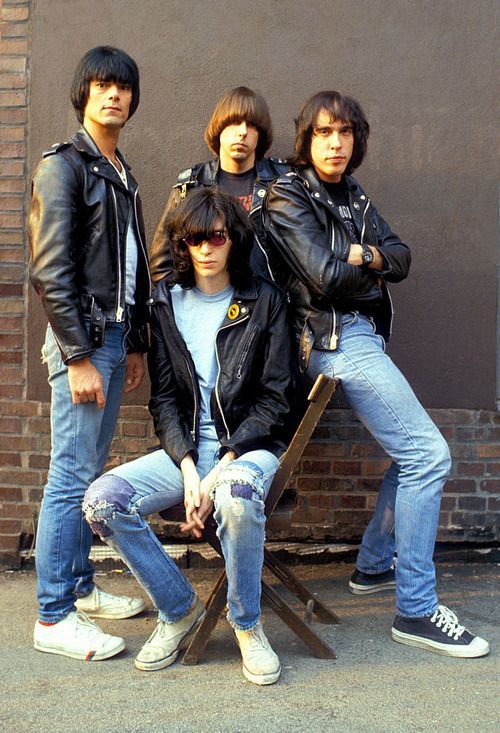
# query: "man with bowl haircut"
x,y
334,253
89,266
239,134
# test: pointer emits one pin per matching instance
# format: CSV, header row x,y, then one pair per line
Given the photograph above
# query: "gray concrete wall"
x,y
424,72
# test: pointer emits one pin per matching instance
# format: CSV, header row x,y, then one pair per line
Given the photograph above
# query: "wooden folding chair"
x,y
279,506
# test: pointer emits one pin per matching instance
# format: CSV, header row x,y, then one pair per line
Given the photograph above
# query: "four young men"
x,y
220,383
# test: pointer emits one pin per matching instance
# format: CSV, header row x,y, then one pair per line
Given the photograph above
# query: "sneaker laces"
x,y
257,638
84,623
447,621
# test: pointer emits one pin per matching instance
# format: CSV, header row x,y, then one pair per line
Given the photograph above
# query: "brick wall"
x,y
339,475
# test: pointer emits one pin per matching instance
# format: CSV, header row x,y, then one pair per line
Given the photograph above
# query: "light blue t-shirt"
x,y
198,317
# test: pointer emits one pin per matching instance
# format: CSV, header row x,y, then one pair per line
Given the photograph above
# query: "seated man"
x,y
220,373
334,253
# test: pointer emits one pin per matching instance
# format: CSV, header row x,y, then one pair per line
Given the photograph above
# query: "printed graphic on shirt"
x,y
338,193
239,185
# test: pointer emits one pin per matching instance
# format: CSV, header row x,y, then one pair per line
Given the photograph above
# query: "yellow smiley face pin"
x,y
233,312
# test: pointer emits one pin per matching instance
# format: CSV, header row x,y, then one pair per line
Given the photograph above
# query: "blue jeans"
x,y
81,436
407,510
115,506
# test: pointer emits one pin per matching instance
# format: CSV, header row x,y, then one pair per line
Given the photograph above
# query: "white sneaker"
x,y
78,637
163,646
261,664
105,605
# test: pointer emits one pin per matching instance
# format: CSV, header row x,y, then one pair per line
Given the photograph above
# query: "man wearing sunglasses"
x,y
220,377
239,134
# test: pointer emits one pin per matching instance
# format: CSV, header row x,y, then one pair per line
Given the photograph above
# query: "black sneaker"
x,y
362,583
440,633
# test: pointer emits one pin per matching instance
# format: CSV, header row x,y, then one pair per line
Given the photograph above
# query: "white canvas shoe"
x,y
100,604
165,643
78,637
261,664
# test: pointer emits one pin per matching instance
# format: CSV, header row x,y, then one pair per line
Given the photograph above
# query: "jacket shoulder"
x,y
270,290
56,148
189,176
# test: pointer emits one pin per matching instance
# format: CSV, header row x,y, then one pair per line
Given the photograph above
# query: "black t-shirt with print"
x,y
239,185
338,194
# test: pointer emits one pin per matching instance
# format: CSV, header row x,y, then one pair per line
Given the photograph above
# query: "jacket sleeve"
x,y
160,258
396,254
266,422
171,429
52,227
303,243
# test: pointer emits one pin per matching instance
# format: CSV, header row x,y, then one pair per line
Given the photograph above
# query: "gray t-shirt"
x,y
198,317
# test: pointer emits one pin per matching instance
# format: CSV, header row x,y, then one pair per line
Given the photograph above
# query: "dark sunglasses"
x,y
215,239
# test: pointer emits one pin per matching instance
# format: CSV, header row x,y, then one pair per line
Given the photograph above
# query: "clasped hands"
x,y
197,492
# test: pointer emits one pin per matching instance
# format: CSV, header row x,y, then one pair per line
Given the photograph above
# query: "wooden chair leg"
x,y
319,648
215,606
289,579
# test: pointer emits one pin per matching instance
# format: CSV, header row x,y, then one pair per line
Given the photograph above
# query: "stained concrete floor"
x,y
374,686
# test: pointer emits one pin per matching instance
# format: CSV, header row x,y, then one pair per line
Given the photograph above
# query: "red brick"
x,y
15,510
19,442
12,150
352,502
11,341
14,30
13,99
12,324
325,449
12,81
316,467
14,46
9,391
21,409
377,468
19,477
10,459
490,485
8,493
12,167
12,203
15,14
11,357
346,468
448,503
40,461
7,289
11,254
10,526
492,469
12,134
10,425
11,221
38,425
35,495
488,450
13,116
134,428
453,417
12,64
9,542
470,469
322,500
494,504
12,185
460,486
472,503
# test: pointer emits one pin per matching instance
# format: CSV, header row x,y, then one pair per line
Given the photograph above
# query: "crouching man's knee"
x,y
104,497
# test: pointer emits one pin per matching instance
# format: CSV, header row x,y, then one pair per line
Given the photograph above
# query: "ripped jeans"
x,y
116,504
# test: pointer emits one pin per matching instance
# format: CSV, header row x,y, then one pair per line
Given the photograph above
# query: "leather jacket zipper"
x,y
144,252
364,220
246,349
195,396
119,308
217,397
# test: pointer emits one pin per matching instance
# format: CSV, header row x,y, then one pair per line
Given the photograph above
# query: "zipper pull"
x,y
119,314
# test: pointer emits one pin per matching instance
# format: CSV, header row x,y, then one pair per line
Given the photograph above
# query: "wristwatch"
x,y
367,255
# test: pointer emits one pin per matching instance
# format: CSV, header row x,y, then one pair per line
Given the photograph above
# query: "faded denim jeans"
x,y
81,436
117,503
407,510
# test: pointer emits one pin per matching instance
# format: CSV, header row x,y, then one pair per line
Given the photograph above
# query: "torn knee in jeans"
x,y
105,496
239,482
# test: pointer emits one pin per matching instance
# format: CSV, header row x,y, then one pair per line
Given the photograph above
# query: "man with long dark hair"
x,y
333,252
89,267
239,134
220,372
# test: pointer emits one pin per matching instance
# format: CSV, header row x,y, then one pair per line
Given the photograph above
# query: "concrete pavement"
x,y
375,685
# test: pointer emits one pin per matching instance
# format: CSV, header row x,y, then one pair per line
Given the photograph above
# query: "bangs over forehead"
x,y
201,219
110,68
240,105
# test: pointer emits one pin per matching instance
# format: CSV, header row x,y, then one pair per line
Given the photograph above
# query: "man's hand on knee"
x,y
85,383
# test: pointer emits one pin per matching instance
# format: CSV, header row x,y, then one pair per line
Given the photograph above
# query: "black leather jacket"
x,y
307,247
250,403
205,174
78,222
